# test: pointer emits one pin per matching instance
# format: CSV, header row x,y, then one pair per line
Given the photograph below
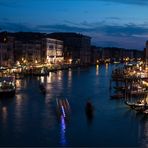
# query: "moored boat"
x,y
117,96
136,106
145,112
130,104
7,86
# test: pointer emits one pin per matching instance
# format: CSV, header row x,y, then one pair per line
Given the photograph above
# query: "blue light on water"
x,y
63,111
63,130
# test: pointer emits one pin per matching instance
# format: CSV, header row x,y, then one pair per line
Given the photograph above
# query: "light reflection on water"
x,y
69,78
33,114
19,107
4,115
63,131
42,79
143,132
106,68
97,70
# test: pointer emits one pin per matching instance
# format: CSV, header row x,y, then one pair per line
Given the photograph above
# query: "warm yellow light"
x,y
70,60
5,39
97,70
18,63
140,68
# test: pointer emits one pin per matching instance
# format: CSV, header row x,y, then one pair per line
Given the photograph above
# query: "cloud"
x,y
11,26
63,27
133,2
8,3
100,27
127,35
124,30
102,33
107,29
122,42
113,18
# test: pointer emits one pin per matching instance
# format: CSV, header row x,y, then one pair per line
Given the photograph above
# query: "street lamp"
x,y
18,63
70,61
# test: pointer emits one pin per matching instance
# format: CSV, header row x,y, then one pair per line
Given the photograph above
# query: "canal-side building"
x,y
6,50
77,47
146,53
96,53
28,48
28,52
53,50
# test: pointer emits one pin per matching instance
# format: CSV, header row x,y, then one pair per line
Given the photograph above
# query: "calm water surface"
x,y
29,119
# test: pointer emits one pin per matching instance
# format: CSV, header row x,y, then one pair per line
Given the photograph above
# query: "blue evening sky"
x,y
120,23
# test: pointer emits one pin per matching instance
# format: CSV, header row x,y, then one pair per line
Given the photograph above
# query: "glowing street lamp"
x,y
18,63
70,61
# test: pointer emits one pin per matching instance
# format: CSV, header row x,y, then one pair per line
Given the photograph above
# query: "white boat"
x,y
137,106
131,104
145,111
7,85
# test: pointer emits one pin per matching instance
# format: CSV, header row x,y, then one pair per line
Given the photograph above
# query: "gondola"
x,y
89,109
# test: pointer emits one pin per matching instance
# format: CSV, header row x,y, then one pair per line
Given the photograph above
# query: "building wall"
x,y
146,53
76,47
6,51
85,55
54,50
28,52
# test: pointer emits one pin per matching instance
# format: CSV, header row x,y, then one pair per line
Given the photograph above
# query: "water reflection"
x,y
69,78
18,83
89,119
143,132
42,79
106,68
19,98
4,115
97,70
60,75
63,141
19,108
32,115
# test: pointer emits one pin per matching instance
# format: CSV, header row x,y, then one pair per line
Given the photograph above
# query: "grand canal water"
x,y
29,118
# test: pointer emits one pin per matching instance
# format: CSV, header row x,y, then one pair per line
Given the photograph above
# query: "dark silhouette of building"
x,y
76,47
146,53
6,49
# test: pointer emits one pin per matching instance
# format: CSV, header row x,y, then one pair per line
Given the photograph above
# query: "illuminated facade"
x,y
54,50
76,47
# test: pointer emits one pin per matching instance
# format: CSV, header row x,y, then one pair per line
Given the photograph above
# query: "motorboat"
x,y
130,104
136,105
145,111
63,107
7,86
